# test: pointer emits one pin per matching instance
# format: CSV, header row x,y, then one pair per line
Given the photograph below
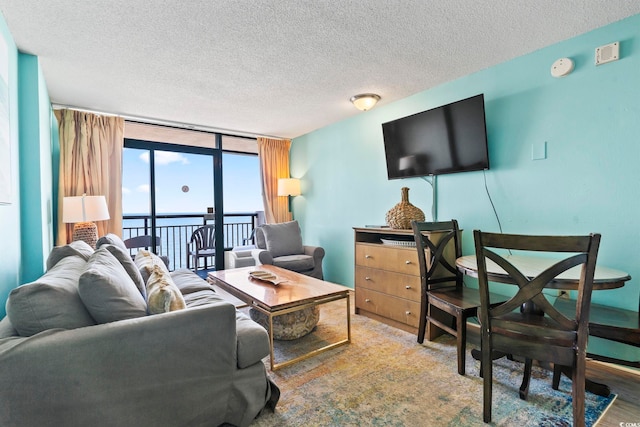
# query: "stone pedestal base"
x,y
289,326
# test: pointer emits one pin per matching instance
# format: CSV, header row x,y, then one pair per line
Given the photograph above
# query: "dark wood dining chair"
x,y
146,242
201,245
442,284
614,325
527,324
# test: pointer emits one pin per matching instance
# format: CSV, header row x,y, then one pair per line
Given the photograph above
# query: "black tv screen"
x,y
447,139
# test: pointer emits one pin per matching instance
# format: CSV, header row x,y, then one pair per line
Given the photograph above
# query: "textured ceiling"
x,y
278,68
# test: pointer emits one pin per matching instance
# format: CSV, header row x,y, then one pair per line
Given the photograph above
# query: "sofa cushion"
x,y
78,248
145,261
189,282
295,262
111,239
107,290
162,294
52,301
283,238
129,266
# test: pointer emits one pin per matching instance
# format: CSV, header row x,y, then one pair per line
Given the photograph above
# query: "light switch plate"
x,y
539,150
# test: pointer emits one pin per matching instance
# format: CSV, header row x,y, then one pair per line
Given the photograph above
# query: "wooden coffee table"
x,y
295,292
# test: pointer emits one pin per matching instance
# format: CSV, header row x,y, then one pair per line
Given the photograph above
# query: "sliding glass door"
x,y
170,190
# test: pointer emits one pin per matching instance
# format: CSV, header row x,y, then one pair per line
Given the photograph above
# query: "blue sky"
x,y
184,182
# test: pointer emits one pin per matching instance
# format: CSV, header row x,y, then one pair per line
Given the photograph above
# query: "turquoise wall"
x,y
35,167
26,229
589,182
10,214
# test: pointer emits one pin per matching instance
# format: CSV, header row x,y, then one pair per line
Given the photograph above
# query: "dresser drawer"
x,y
399,309
397,259
401,285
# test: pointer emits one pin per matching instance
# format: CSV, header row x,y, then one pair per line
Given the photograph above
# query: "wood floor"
x,y
626,384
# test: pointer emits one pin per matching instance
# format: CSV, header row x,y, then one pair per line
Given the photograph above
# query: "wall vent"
x,y
607,53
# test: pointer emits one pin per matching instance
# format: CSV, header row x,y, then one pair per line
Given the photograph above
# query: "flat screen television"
x,y
447,139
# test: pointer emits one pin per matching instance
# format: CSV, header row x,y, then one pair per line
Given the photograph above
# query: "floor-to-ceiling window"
x,y
175,181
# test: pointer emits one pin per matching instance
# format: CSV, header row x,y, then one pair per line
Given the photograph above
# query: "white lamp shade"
x,y
288,187
84,209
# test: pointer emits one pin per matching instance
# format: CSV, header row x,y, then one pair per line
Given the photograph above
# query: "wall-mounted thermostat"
x,y
562,67
607,53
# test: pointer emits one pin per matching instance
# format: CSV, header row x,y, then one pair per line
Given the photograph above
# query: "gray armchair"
x,y
281,245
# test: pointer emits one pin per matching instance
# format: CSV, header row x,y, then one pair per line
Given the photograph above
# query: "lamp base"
x,y
87,232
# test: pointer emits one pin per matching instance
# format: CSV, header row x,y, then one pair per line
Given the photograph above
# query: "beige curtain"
x,y
274,164
91,163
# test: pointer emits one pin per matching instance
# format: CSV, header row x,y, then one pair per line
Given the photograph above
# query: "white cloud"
x,y
144,188
165,158
125,190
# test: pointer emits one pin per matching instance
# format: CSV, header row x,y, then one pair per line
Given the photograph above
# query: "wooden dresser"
x,y
387,278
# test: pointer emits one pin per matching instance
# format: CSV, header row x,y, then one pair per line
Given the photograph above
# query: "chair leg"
x,y
557,373
422,326
526,379
487,379
578,392
461,341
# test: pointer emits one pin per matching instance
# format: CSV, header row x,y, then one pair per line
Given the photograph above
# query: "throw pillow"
x,y
78,248
283,238
129,266
107,290
52,301
145,261
111,239
162,294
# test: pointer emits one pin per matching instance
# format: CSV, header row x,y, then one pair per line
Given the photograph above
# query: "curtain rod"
x,y
168,123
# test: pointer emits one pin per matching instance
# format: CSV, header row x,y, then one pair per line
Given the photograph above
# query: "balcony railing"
x,y
175,231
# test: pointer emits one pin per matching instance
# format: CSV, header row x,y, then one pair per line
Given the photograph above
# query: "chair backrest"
x,y
567,332
144,241
437,271
204,237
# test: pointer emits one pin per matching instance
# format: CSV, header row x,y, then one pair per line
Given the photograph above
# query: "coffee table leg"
x,y
274,366
348,319
270,331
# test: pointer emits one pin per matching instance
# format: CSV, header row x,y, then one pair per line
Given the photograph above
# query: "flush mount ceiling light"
x,y
365,101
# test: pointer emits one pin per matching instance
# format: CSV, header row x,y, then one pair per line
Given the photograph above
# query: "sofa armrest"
x,y
132,372
316,252
253,341
262,256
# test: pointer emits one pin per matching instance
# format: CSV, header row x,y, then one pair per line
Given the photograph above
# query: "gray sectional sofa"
x,y
78,347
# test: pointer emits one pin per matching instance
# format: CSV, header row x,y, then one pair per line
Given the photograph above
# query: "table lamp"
x,y
83,210
288,187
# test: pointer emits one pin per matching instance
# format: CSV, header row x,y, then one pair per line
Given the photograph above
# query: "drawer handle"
x,y
367,278
407,287
367,300
367,256
407,313
407,262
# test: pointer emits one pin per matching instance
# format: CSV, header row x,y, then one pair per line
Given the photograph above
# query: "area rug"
x,y
385,378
